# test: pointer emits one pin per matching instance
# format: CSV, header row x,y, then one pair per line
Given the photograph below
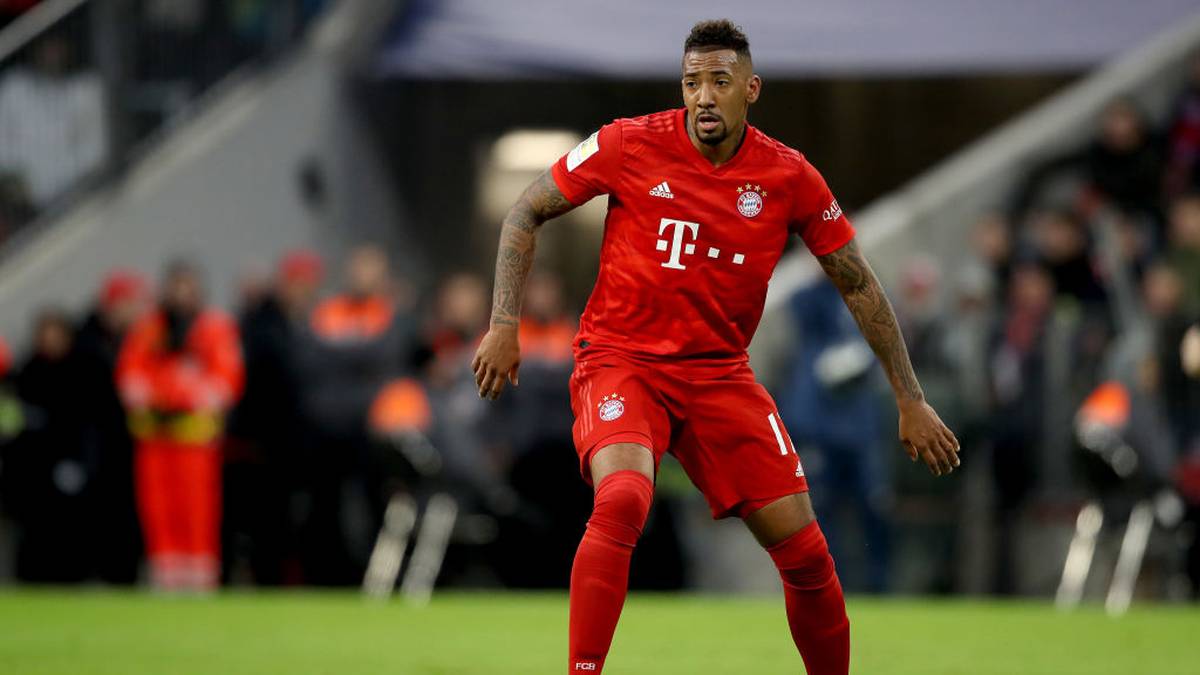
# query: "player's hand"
x,y
925,437
497,359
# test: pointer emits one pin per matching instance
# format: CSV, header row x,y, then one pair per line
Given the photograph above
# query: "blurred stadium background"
x,y
1025,177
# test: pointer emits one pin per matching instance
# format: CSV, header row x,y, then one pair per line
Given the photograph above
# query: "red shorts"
x,y
718,421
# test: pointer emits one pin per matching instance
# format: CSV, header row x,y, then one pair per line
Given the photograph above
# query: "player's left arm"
x,y
921,430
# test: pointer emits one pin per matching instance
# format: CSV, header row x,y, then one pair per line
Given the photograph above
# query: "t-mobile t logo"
x,y
676,244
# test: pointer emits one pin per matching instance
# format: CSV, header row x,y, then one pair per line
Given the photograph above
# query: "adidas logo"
x,y
662,190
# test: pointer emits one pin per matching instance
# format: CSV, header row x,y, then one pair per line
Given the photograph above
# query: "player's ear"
x,y
753,88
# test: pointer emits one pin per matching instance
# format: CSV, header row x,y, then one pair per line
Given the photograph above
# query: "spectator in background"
x,y
1187,473
267,429
173,42
1017,367
967,341
833,413
539,411
12,416
1122,166
361,340
1163,295
462,423
179,371
1062,246
992,243
12,419
123,298
982,288
1065,252
47,475
1183,251
948,355
1183,137
1137,245
535,421
919,311
52,122
458,319
15,207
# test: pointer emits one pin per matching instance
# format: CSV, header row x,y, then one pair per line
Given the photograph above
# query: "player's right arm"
x,y
587,171
499,354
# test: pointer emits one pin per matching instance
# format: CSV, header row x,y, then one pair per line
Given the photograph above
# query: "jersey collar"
x,y
700,160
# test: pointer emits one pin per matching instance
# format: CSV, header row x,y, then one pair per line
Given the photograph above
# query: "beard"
x,y
714,137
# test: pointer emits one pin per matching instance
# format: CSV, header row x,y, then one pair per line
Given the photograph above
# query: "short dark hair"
x,y
717,34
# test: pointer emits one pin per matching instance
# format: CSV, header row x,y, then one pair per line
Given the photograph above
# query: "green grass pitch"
x,y
83,633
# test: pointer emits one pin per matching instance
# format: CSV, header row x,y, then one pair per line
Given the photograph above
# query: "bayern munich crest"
x,y
750,199
611,407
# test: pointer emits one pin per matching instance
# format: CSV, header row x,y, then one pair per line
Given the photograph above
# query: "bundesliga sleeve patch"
x,y
589,147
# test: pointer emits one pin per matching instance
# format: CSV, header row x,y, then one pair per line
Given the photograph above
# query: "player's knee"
x,y
803,559
622,504
616,457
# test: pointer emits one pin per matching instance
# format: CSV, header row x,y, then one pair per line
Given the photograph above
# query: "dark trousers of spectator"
x,y
50,505
1012,473
115,528
52,543
334,517
537,545
856,476
1193,555
257,529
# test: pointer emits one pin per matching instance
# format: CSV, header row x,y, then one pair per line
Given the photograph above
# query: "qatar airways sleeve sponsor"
x,y
818,218
833,212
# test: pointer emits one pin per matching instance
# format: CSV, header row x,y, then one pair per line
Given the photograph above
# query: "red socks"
x,y
600,576
816,610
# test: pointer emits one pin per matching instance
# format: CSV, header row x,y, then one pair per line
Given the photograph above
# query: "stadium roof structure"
x,y
552,39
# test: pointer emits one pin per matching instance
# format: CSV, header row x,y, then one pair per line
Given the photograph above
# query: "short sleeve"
x,y
591,168
817,218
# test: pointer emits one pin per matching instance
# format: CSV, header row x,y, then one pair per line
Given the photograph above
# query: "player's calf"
x,y
816,609
600,575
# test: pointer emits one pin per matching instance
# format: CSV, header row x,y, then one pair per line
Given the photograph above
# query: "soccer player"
x,y
700,207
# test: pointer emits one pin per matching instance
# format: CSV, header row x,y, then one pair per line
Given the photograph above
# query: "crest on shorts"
x,y
750,199
611,407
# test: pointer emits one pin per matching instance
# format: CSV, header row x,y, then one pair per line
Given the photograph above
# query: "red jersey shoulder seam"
x,y
658,122
784,151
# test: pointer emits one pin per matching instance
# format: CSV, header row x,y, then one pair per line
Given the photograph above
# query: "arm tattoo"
x,y
540,202
866,300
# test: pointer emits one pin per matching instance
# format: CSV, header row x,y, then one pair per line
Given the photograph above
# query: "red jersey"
x,y
689,248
